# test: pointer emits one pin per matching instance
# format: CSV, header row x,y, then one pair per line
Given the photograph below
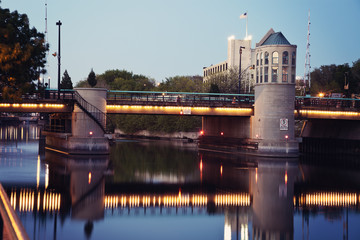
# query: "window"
x,y
293,75
266,62
257,59
266,72
275,57
285,58
261,75
293,58
285,74
274,73
257,75
261,58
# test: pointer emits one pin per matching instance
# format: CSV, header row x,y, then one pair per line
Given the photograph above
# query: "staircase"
x,y
94,113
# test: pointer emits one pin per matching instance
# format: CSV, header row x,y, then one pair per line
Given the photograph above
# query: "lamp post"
x,y
240,52
59,24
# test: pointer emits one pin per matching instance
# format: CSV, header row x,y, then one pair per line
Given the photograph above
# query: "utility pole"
x,y
307,58
59,58
240,52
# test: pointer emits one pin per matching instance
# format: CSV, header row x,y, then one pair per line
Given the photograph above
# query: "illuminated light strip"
x,y
31,105
178,108
334,113
232,200
10,213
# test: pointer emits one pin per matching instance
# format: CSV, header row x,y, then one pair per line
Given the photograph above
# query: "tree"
x,y
182,84
22,54
92,79
66,81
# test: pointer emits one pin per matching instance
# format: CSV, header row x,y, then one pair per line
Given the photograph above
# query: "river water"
x,y
170,190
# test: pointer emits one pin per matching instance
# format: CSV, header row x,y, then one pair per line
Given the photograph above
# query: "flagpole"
x,y
246,25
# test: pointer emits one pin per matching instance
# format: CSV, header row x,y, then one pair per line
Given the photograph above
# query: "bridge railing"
x,y
327,103
180,98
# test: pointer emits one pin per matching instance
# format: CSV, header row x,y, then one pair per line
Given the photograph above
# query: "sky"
x,y
167,38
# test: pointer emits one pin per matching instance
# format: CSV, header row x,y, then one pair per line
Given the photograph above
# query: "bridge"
x,y
234,121
184,103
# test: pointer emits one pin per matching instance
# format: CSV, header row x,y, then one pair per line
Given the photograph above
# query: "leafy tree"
x,y
22,54
92,78
66,81
182,84
214,88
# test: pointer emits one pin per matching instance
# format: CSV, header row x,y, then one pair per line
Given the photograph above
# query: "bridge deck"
x,y
180,103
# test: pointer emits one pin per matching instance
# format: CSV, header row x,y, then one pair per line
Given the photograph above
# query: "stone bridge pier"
x,y
82,131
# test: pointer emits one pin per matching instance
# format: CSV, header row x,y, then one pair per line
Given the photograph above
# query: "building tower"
x,y
273,120
307,80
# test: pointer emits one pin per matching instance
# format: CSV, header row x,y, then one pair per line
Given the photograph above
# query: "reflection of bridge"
x,y
181,103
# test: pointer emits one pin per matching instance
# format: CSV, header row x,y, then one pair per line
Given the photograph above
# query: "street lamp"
x,y
240,51
59,24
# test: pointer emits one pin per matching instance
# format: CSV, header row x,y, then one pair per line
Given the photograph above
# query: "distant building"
x,y
272,60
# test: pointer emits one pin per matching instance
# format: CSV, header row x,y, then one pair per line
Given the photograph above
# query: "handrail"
x,y
96,114
12,222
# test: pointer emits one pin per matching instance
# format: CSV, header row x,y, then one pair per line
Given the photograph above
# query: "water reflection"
x,y
176,192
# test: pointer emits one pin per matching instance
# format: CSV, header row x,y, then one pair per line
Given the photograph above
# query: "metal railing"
x,y
327,103
93,112
180,98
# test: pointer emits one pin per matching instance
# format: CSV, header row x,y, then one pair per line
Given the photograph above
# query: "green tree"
x,y
22,54
66,81
92,78
182,84
227,82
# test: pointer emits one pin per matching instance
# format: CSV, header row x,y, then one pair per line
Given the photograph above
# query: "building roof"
x,y
276,39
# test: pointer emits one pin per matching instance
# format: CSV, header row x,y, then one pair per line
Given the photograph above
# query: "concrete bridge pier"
x,y
88,123
273,121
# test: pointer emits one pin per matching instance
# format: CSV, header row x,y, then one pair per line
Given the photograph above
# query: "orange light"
x,y
181,112
321,94
179,192
221,170
202,132
286,177
201,165
89,178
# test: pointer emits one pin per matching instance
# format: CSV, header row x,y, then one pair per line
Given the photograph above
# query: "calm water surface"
x,y
169,190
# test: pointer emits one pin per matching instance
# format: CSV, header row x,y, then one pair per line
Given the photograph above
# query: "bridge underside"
x,y
328,136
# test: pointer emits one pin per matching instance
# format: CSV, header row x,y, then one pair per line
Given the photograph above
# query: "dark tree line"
x,y
336,79
22,55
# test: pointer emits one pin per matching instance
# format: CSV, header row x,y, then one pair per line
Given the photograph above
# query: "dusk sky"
x,y
166,38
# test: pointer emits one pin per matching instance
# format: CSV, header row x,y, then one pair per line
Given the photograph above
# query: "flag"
x,y
243,15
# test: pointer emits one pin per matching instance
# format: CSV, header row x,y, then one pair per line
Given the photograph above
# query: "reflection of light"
x,y
256,175
38,172
221,170
46,175
232,200
201,165
286,177
331,199
89,181
244,231
227,231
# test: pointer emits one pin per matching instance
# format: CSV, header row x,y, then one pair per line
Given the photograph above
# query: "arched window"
x,y
266,60
275,58
293,58
257,75
257,59
285,58
261,75
261,58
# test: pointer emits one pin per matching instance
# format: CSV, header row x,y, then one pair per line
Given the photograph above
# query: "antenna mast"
x,y
307,57
46,35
